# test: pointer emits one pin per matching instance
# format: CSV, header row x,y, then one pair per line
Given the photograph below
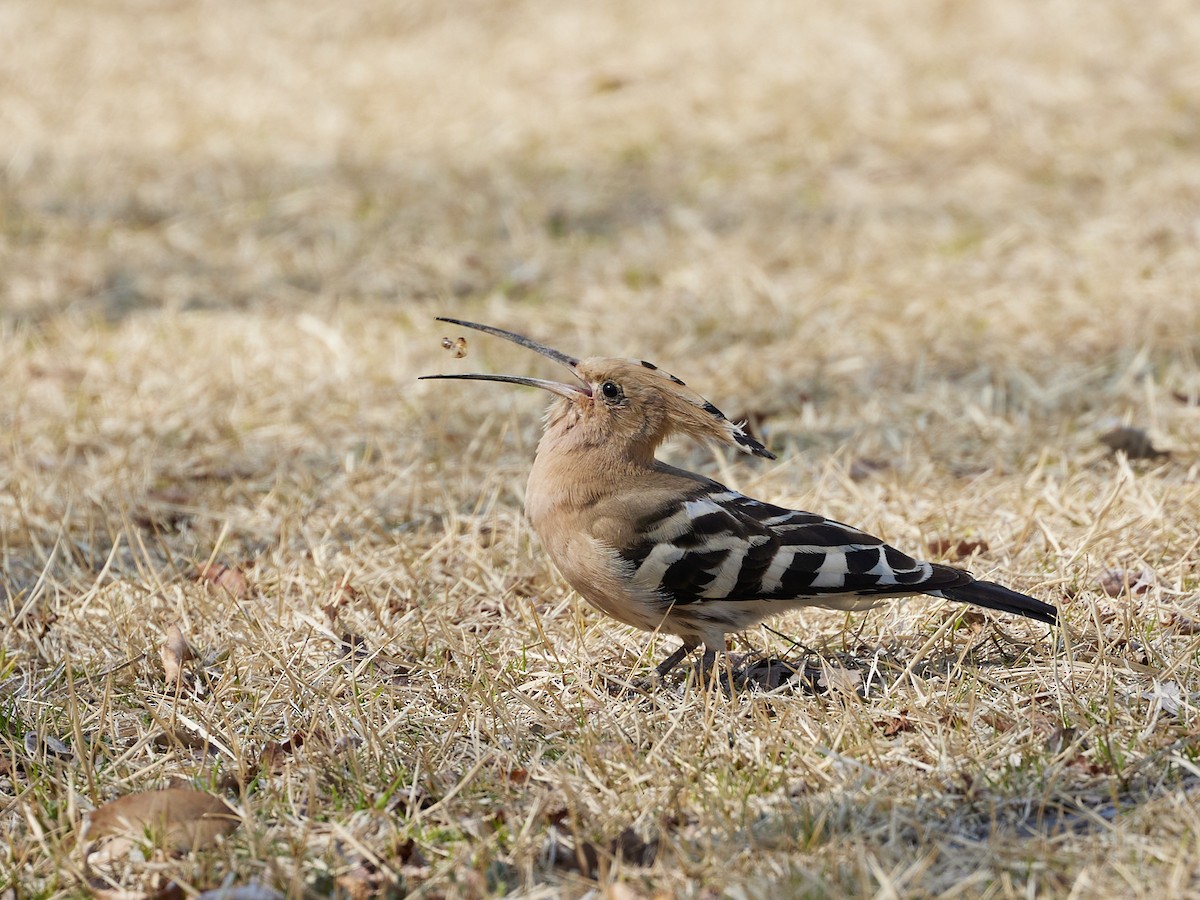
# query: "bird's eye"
x,y
611,390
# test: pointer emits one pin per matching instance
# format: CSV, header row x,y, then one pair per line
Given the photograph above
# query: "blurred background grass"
x,y
948,242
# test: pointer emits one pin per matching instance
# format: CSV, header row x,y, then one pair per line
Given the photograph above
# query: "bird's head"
x,y
627,404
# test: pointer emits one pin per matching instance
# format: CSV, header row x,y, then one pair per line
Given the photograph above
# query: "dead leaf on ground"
x,y
47,747
1181,624
893,726
174,652
863,468
273,756
343,595
1116,582
183,739
409,797
968,617
175,819
407,853
1135,443
364,881
353,648
225,577
10,767
42,620
948,548
165,510
997,721
564,850
1166,696
841,680
1061,737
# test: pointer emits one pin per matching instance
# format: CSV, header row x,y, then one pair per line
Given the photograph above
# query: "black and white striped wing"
x,y
718,544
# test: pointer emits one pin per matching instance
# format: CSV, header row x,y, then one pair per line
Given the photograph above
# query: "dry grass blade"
x,y
929,250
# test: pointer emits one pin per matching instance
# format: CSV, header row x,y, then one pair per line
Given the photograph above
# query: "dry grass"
x,y
959,239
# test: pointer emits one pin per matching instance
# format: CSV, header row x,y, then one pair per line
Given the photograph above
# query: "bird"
x,y
667,550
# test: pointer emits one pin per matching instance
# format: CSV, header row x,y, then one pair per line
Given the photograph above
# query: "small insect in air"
x,y
459,346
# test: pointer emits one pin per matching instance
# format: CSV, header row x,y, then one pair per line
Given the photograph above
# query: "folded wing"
x,y
717,544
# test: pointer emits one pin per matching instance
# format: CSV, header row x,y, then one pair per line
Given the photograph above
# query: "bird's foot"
x,y
631,687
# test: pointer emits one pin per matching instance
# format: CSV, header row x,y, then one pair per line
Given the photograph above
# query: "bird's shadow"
x,y
812,670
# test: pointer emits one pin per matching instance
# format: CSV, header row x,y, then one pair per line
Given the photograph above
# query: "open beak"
x,y
570,391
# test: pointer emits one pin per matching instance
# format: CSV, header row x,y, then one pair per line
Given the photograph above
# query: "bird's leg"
x,y
675,658
710,673
650,683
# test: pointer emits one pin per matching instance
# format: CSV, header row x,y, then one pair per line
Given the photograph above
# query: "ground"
x,y
933,252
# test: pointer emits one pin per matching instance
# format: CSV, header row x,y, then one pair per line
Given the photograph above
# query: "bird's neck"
x,y
573,472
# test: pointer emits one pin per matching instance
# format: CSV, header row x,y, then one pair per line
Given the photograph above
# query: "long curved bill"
x,y
555,387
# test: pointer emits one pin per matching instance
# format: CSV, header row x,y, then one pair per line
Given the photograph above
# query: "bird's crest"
x,y
630,399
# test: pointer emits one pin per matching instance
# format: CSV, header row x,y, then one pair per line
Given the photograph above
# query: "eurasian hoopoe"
x,y
664,549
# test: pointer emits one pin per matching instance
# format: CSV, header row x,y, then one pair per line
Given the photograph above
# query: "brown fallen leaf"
x,y
406,852
1181,624
863,468
165,510
950,549
1135,443
184,740
176,819
565,850
967,616
1116,582
573,855
174,652
10,768
997,721
343,595
1060,738
353,649
630,846
892,727
363,881
273,757
42,620
225,577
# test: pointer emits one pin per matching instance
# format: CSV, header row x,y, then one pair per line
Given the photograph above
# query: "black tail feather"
x,y
996,596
